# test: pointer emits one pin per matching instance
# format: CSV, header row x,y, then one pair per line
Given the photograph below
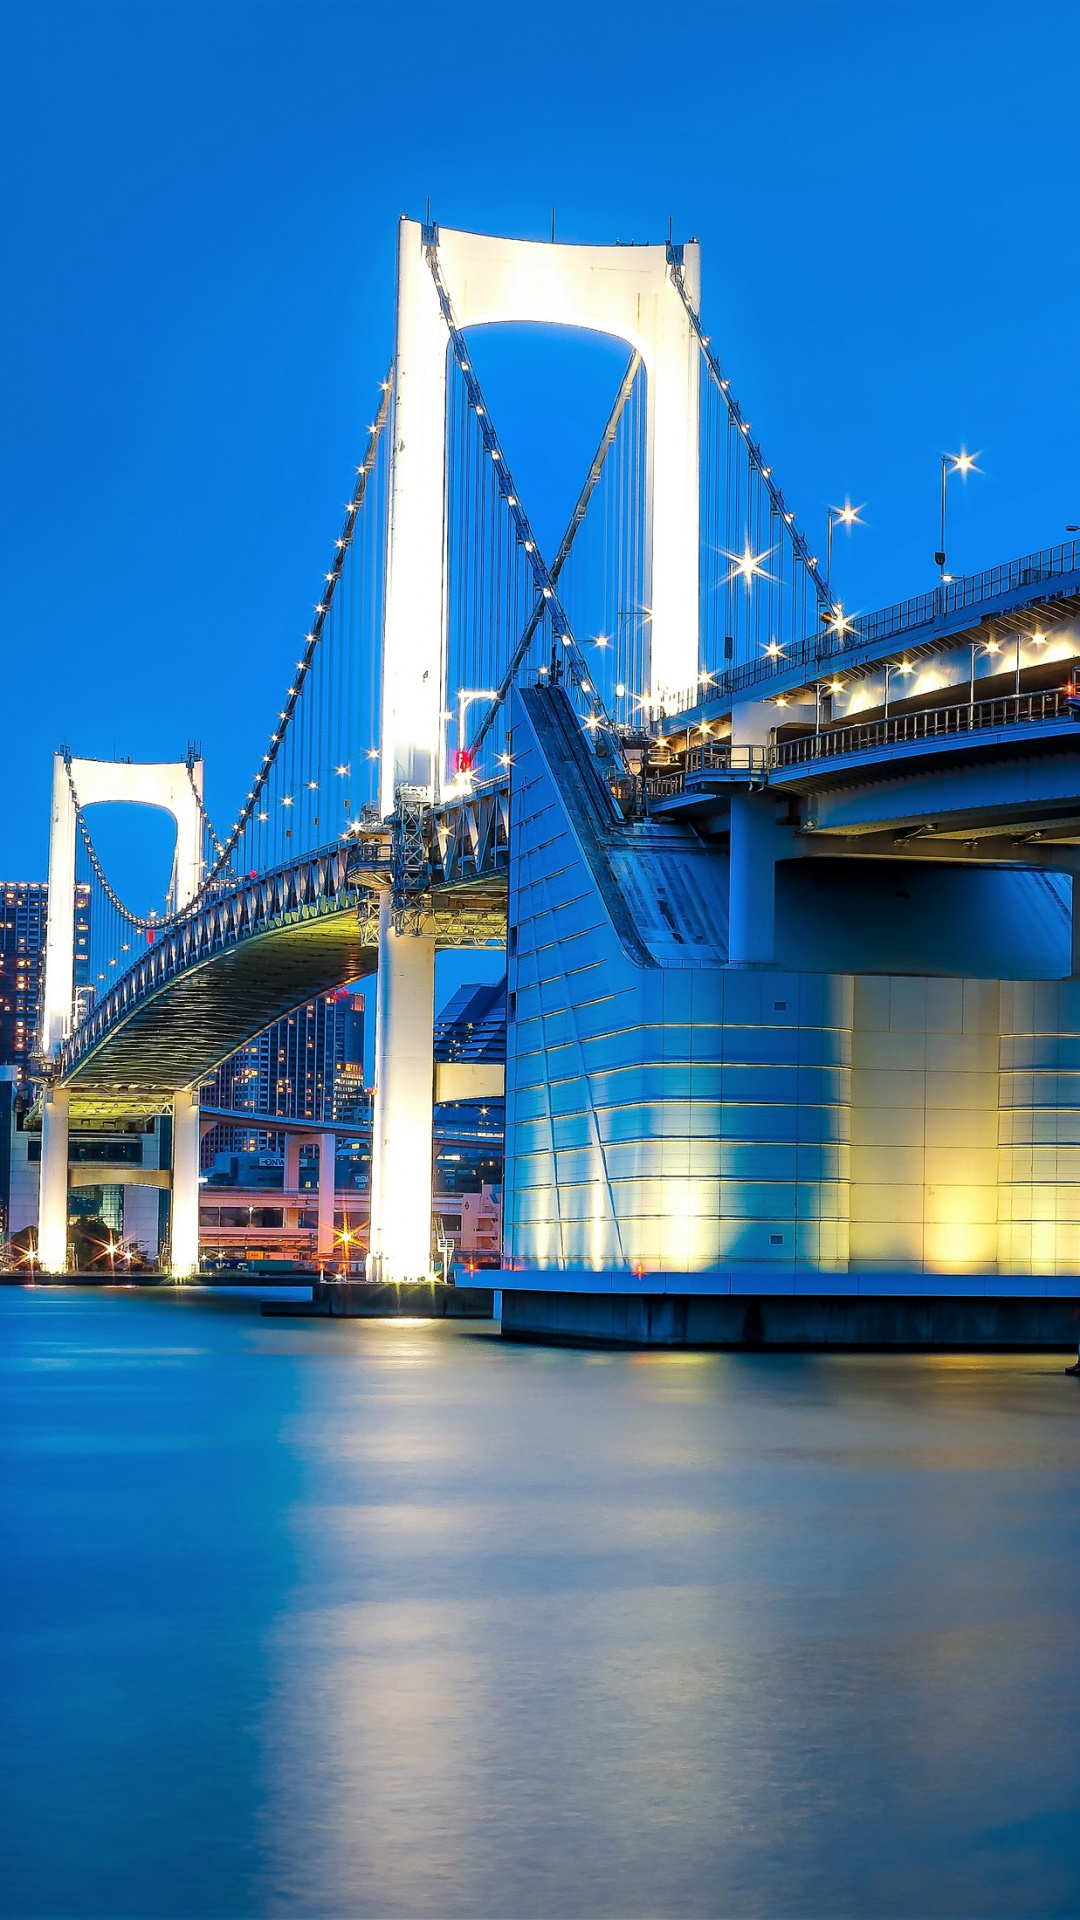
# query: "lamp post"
x,y
962,463
845,516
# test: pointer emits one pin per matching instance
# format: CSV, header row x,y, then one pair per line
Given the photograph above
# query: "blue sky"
x,y
201,205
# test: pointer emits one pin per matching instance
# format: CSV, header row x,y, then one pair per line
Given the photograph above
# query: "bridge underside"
x,y
176,1037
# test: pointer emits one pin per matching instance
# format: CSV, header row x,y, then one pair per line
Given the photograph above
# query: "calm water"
x,y
345,1620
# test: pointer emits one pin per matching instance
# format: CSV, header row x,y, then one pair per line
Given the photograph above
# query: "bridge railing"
x,y
932,723
896,731
887,623
299,889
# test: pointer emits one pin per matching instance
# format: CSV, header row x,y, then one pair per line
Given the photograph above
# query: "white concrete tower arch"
x,y
177,789
623,291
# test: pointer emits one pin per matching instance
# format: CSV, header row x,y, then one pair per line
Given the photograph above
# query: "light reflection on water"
x,y
347,1619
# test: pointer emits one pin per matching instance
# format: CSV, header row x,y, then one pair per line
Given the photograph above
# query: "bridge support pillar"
x,y
327,1158
752,881
401,1172
53,1183
184,1230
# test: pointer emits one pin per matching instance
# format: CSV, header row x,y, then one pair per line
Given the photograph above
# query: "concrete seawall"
x,y
807,1321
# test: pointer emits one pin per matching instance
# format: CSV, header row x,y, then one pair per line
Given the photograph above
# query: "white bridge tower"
x,y
626,292
177,788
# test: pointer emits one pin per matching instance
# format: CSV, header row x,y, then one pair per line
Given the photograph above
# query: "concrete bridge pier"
x,y
327,1170
401,1169
53,1189
184,1213
752,882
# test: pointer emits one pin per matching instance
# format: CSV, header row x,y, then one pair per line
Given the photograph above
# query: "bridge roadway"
x,y
978,763
759,775
987,778
993,776
262,947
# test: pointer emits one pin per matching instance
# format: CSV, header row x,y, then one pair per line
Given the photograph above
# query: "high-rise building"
x,y
471,1029
308,1066
24,914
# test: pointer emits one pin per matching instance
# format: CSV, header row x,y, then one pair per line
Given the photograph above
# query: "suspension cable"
x,y
226,848
754,453
133,919
565,544
542,578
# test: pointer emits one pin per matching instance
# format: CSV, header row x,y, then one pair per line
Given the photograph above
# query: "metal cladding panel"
x,y
670,1115
653,1064
1039,1132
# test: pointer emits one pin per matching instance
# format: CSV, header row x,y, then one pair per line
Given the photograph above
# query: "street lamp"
x,y
962,463
845,516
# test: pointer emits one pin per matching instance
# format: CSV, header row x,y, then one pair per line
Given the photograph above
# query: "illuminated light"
x,y
592,723
286,800
292,693
781,700
847,515
774,650
511,499
343,769
585,687
264,816
992,646
504,761
904,666
495,454
548,591
543,670
1040,638
309,637
313,786
479,410
329,576
602,640
747,565
373,753
836,686
963,462
530,546
321,607
620,691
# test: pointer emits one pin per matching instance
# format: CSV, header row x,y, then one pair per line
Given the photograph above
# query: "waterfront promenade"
x,y
385,1618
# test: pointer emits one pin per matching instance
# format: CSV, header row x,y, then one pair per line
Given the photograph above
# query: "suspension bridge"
x,y
711,816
